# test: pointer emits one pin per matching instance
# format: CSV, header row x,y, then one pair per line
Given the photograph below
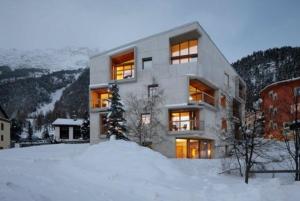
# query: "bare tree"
x,y
142,115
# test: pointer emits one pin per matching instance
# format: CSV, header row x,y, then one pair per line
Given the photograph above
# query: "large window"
x,y
184,52
123,66
100,98
183,120
64,132
194,148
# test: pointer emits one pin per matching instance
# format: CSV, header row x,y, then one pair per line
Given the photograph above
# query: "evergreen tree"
x,y
115,119
15,130
30,132
85,128
46,135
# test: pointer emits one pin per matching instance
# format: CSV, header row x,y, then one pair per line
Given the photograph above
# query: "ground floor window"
x,y
76,132
193,148
64,132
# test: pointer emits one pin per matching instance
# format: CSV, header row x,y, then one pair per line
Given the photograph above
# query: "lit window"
x,y
123,66
153,90
100,98
183,120
194,148
184,52
146,118
147,63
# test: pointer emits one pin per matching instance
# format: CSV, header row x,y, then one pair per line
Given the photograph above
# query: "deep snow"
x,y
118,170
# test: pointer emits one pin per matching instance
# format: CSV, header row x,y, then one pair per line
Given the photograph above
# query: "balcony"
x,y
185,120
201,93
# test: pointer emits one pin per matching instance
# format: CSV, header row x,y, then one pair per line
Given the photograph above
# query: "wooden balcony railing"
x,y
203,97
100,103
186,125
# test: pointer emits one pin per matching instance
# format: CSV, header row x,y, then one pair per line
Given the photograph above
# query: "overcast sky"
x,y
238,27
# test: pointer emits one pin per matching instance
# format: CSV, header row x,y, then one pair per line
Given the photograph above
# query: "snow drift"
x,y
123,171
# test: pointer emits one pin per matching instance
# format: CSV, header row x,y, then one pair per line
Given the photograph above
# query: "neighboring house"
x,y
4,130
200,87
280,101
67,129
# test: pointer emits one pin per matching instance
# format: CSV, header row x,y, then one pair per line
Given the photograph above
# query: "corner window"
x,y
184,52
153,90
123,66
183,120
100,98
147,63
145,118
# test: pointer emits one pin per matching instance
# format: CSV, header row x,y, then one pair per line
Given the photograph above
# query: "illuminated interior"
x,y
184,52
123,66
100,98
194,148
200,92
183,120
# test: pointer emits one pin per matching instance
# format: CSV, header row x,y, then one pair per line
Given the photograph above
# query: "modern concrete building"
x,y
67,130
197,81
281,107
4,130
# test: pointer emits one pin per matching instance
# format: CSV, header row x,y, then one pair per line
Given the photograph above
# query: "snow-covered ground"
x,y
118,170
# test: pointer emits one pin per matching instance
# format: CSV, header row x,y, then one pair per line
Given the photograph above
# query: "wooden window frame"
x,y
188,56
193,120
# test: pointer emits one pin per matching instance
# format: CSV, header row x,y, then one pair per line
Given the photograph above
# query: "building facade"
x,y
197,81
4,130
280,105
67,130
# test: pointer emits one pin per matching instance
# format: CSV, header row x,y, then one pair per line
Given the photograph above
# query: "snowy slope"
x,y
53,59
123,171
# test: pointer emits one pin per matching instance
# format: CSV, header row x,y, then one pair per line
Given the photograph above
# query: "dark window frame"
x,y
150,87
61,128
2,138
147,59
78,132
2,126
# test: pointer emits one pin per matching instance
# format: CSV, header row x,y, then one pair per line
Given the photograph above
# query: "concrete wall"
x,y
173,79
5,143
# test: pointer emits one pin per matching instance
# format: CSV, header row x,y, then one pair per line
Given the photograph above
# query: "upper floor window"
x,y
297,91
226,80
182,120
223,101
123,66
2,126
184,52
147,63
152,90
100,98
146,118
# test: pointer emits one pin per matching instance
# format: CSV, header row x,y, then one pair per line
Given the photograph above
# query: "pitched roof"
x,y
68,122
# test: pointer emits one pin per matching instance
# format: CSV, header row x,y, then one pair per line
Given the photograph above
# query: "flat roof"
x,y
68,122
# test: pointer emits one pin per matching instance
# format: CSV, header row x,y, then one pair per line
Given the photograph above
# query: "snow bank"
x,y
127,159
124,171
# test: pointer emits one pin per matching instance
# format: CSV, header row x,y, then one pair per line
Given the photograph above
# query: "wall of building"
x,y
285,98
5,143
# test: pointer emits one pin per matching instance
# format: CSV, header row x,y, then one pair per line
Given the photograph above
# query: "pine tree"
x,y
15,130
115,119
30,132
85,128
46,135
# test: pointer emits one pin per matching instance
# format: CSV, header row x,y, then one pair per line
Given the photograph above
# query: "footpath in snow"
x,y
124,171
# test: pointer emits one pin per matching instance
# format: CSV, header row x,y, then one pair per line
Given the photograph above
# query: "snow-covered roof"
x,y
68,122
279,82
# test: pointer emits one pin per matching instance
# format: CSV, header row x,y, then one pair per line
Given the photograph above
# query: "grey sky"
x,y
238,27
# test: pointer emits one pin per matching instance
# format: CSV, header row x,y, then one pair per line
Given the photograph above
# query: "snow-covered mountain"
x,y
52,59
